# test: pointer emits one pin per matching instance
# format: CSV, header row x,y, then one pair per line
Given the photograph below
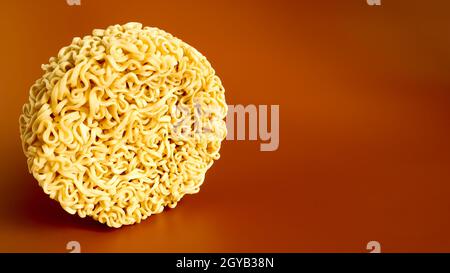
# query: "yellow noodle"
x,y
103,132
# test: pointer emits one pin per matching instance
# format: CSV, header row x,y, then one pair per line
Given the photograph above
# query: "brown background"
x,y
365,133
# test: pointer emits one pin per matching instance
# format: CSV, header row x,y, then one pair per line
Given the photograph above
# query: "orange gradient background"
x,y
364,127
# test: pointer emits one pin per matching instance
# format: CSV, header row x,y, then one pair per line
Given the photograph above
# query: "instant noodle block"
x,y
123,123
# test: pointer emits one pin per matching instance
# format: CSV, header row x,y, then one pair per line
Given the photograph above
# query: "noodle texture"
x,y
123,123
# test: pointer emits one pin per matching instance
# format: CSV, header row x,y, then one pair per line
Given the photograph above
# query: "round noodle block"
x,y
123,123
